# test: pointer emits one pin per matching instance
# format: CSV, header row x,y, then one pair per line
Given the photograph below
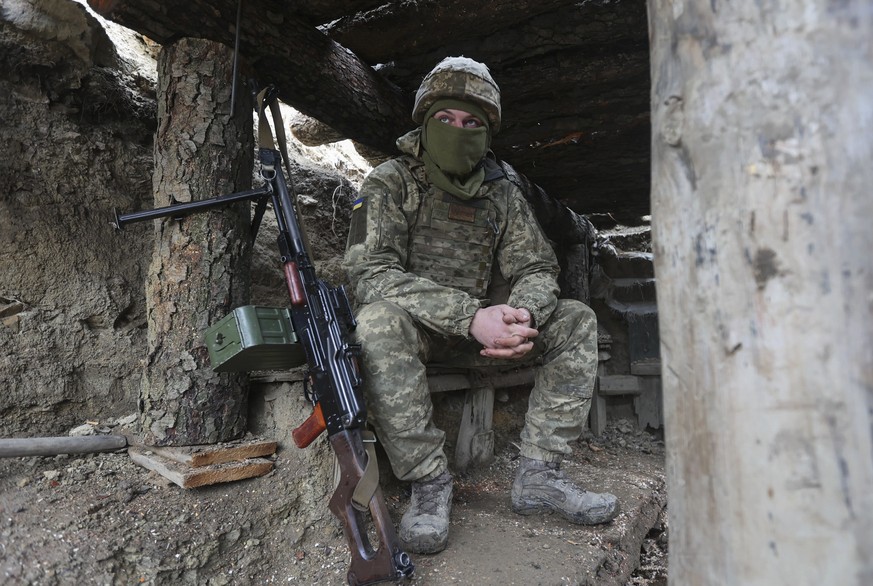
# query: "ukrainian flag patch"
x,y
358,225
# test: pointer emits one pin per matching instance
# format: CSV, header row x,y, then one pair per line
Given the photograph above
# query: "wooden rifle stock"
x,y
368,565
310,429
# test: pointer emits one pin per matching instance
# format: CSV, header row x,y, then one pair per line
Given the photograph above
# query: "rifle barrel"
x,y
181,210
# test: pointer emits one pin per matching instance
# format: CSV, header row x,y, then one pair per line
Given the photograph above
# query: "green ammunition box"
x,y
254,338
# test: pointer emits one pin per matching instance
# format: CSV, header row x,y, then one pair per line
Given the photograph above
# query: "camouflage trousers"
x,y
396,350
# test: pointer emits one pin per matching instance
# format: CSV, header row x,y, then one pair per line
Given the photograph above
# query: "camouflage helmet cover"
x,y
460,78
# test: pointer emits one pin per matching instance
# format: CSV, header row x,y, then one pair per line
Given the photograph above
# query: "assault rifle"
x,y
323,320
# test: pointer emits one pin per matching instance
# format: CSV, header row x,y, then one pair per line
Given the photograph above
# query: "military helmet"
x,y
459,78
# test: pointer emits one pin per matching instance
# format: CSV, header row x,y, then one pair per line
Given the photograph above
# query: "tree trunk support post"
x,y
761,178
199,268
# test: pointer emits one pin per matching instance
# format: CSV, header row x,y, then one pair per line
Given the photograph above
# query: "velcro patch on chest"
x,y
462,213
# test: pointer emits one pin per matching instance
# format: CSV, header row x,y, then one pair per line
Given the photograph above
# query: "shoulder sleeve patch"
x,y
358,224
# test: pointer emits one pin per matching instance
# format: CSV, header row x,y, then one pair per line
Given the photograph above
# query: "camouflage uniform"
x,y
406,320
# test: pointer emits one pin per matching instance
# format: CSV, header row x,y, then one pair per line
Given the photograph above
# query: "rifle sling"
x,y
268,97
265,136
369,481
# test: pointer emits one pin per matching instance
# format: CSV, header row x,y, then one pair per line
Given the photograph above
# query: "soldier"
x,y
449,266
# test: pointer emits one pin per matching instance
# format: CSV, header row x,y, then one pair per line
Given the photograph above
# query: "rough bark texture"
x,y
199,269
761,206
313,72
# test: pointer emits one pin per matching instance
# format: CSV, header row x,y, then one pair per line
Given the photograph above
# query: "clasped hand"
x,y
504,331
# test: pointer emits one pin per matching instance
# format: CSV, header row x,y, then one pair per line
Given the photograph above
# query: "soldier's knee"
x,y
379,313
383,319
577,314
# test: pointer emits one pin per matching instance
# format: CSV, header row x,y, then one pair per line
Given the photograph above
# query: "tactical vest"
x,y
452,241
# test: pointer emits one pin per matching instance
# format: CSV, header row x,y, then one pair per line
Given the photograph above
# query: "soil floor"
x,y
102,519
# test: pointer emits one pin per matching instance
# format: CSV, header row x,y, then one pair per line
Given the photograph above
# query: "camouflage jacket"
x,y
377,255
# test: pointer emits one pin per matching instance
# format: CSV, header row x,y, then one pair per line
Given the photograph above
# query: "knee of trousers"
x,y
394,375
574,321
383,324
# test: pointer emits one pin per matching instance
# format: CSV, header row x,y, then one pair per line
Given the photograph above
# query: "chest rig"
x,y
452,241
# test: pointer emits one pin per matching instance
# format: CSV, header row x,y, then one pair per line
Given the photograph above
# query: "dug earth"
x,y
102,519
78,143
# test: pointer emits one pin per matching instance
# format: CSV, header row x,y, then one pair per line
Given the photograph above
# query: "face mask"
x,y
456,151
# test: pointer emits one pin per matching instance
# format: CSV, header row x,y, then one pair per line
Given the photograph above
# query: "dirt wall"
x,y
75,142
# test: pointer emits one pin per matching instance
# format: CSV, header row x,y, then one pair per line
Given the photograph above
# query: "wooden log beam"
x,y
52,446
397,29
314,74
761,207
319,12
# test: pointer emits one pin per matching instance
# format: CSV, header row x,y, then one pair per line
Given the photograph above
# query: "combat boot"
x,y
424,527
542,487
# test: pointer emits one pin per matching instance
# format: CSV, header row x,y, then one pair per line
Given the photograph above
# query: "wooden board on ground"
x,y
211,454
191,477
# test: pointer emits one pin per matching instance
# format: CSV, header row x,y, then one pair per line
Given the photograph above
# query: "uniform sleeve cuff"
x,y
465,317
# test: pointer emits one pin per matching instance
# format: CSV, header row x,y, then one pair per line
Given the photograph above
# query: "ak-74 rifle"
x,y
323,321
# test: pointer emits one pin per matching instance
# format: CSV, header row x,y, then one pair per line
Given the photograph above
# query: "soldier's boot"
x,y
424,527
542,487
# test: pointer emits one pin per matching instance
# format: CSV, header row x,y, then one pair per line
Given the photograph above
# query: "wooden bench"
x,y
474,444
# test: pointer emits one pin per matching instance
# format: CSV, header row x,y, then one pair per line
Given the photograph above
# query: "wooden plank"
x,y
439,383
619,384
646,367
597,414
208,455
513,379
193,477
277,376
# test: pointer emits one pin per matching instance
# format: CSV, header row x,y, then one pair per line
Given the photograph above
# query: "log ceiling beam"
x,y
319,12
399,29
574,74
315,74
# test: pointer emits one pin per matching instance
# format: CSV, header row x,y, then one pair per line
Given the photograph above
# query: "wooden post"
x,y
762,177
475,441
199,267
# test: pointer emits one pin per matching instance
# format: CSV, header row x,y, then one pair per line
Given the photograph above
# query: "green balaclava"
x,y
452,156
